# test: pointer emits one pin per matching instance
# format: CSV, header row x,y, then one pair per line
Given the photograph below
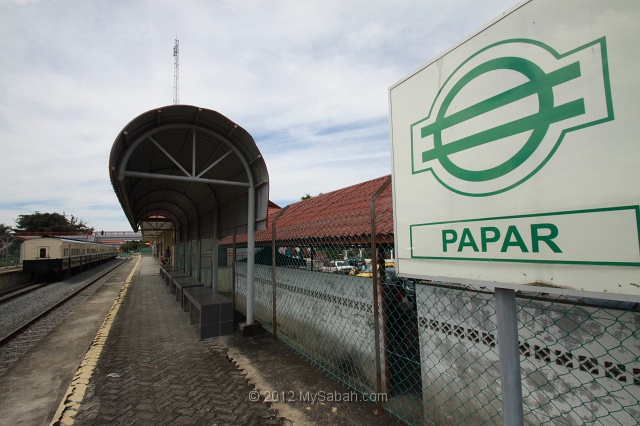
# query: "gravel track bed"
x,y
16,312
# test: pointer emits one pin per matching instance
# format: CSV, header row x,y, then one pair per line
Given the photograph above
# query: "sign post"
x,y
516,163
509,352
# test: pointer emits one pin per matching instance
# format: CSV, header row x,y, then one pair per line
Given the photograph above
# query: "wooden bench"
x,y
181,283
215,311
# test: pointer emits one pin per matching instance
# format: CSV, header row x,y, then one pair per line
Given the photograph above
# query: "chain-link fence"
x,y
9,252
427,352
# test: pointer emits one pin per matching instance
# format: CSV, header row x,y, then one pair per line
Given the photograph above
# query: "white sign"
x,y
516,157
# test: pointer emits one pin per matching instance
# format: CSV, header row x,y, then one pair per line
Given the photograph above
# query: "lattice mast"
x,y
176,72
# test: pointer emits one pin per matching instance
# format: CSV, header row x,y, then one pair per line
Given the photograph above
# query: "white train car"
x,y
59,255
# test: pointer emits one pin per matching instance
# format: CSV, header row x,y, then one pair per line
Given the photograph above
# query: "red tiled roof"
x,y
272,210
344,213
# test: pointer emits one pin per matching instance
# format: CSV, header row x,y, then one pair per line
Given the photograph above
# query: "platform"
x,y
153,369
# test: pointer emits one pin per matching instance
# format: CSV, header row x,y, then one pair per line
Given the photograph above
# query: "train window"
x,y
66,252
43,252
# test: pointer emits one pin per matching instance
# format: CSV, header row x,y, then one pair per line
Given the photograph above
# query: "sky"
x,y
308,79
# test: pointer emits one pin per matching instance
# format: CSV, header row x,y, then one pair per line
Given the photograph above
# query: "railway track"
x,y
19,291
20,337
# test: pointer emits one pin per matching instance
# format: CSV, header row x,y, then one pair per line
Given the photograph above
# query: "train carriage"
x,y
59,255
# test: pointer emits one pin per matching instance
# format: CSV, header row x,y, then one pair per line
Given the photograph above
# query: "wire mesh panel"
x,y
224,259
400,340
580,360
326,317
430,354
262,296
206,246
459,355
192,253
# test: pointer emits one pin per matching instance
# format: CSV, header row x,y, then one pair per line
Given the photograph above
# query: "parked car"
x,y
365,272
342,266
337,266
357,262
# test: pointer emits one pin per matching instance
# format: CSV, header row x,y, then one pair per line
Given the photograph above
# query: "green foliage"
x,y
5,230
332,253
50,222
133,246
306,197
9,246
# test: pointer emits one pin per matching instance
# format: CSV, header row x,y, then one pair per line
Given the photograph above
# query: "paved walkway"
x,y
153,370
31,388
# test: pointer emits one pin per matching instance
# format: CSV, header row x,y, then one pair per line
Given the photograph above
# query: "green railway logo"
x,y
504,111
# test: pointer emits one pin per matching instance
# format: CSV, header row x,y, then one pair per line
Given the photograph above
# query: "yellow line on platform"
x,y
75,393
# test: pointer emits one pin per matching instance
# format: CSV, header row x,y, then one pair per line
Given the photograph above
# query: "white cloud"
x,y
309,80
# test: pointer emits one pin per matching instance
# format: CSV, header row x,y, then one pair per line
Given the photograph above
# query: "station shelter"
x,y
187,176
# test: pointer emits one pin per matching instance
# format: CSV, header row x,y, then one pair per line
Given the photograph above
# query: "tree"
x,y
132,246
5,230
51,222
306,197
7,246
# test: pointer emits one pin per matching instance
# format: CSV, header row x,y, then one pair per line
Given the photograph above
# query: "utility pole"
x,y
176,71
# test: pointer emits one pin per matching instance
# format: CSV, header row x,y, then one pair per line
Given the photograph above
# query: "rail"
x,y
26,324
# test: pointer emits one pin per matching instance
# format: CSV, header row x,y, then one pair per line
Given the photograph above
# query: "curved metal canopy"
x,y
185,163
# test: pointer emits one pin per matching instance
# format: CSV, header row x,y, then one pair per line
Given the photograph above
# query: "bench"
x,y
164,269
174,274
181,283
215,311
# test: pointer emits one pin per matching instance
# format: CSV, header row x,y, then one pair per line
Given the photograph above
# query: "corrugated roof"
x,y
342,214
183,162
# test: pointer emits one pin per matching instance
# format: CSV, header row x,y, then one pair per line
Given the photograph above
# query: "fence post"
x,y
233,268
215,255
273,269
251,251
376,292
509,353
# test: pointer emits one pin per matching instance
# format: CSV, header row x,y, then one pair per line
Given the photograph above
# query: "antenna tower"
x,y
176,70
